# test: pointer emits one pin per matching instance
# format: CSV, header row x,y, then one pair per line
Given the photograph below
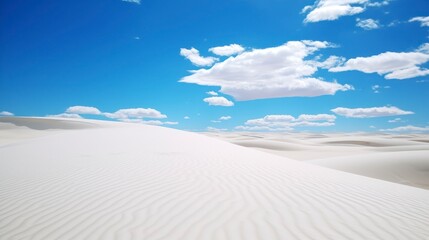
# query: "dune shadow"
x,y
45,124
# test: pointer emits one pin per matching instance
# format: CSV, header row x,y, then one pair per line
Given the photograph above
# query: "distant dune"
x,y
401,158
83,179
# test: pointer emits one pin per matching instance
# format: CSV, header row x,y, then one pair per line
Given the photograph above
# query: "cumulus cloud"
x,y
132,1
130,115
408,128
370,112
66,115
269,73
83,110
424,21
138,113
218,101
328,10
228,50
367,24
213,93
6,113
193,55
393,65
225,118
287,122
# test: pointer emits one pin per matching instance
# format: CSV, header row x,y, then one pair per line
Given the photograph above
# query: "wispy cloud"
x,y
408,128
213,129
395,120
424,21
213,93
274,72
132,1
225,118
376,88
370,112
193,55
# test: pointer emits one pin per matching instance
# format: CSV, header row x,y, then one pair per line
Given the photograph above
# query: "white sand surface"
x,y
131,181
400,158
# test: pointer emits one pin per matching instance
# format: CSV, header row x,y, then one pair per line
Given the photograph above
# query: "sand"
x,y
86,179
402,158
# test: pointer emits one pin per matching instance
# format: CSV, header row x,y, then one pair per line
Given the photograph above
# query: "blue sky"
x,y
236,65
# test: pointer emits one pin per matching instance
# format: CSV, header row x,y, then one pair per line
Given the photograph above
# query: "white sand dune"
x,y
130,181
401,159
405,167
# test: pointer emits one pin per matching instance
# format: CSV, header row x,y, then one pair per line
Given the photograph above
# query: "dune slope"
x,y
129,181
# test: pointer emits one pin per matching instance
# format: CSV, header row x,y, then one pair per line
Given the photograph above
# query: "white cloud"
x,y
330,62
83,110
6,113
263,128
228,50
328,10
269,73
138,113
213,129
287,122
378,4
186,117
66,115
408,128
394,65
370,112
395,120
367,24
170,123
213,93
218,101
424,21
375,88
424,48
193,55
225,118
148,122
132,1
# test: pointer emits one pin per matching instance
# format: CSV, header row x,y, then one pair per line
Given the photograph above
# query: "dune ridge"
x,y
130,181
396,158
